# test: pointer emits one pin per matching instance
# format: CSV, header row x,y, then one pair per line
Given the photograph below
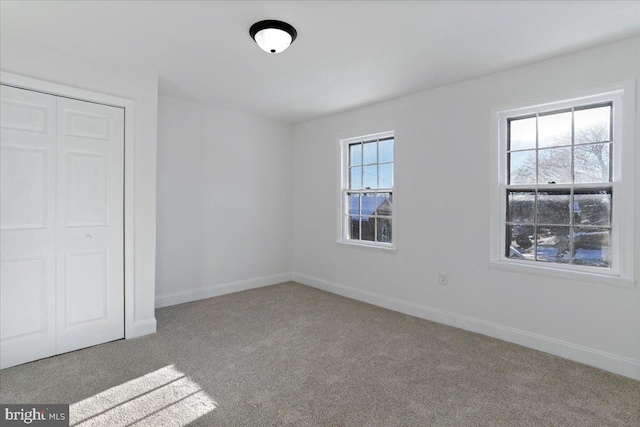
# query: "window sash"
x,y
572,227
362,164
346,215
614,266
508,119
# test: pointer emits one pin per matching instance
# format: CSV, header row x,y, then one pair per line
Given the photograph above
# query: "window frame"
x,y
622,98
343,225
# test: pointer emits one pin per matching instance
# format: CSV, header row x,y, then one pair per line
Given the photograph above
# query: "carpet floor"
x,y
293,355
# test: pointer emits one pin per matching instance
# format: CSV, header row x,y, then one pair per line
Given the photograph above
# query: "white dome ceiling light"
x,y
273,36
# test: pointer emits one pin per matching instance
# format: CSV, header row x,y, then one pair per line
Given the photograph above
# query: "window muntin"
x,y
368,190
559,186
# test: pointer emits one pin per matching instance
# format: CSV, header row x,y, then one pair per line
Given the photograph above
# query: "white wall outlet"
x,y
442,278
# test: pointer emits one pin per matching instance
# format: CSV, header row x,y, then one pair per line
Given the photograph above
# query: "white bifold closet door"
x,y
61,219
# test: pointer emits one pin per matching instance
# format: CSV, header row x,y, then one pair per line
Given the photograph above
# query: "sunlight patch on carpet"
x,y
164,397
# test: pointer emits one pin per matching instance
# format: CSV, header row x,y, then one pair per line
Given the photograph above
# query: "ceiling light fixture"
x,y
273,36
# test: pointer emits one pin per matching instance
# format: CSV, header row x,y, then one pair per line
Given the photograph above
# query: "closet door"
x,y
90,229
27,225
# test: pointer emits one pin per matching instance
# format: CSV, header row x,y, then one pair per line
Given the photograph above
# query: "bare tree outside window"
x,y
591,160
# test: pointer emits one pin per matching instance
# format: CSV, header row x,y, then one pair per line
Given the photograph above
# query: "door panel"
x,y
22,110
27,225
23,280
24,205
86,189
86,290
90,240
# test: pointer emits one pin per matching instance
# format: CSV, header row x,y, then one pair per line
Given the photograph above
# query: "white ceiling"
x,y
347,54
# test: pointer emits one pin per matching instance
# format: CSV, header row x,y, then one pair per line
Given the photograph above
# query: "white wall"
x,y
224,201
44,63
443,150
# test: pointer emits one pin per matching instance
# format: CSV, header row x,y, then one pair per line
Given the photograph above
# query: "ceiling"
x,y
347,54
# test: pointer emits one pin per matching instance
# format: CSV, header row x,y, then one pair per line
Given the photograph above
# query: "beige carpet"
x,y
292,355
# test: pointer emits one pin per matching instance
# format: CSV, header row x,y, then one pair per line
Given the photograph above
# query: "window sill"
x,y
559,273
370,246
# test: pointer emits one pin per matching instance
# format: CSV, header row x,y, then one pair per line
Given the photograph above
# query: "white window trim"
x,y
343,184
621,272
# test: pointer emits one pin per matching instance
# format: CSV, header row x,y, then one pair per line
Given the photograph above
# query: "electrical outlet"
x,y
442,278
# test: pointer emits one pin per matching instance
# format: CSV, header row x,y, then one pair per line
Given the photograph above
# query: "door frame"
x,y
36,85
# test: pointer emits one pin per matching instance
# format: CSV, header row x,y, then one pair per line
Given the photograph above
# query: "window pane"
x,y
592,125
553,207
368,228
370,177
370,152
522,134
522,167
554,130
355,181
592,163
368,205
354,204
386,176
383,204
592,207
520,206
386,150
520,241
554,165
354,227
384,230
355,154
592,246
553,244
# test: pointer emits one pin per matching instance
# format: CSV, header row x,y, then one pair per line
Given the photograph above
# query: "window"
x,y
565,190
367,216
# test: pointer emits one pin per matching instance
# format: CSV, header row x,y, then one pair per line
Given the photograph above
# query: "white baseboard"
x,y
166,300
599,359
142,327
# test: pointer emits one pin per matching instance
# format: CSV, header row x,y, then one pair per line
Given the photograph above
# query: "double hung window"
x,y
559,190
565,188
367,189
